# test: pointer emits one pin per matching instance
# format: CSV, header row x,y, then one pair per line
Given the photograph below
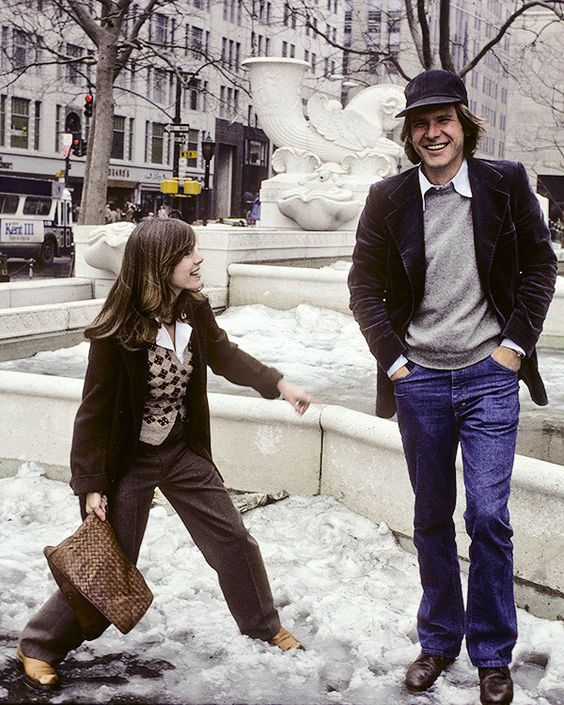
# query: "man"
x,y
452,276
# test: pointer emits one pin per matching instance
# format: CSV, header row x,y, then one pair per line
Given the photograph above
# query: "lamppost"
x,y
208,150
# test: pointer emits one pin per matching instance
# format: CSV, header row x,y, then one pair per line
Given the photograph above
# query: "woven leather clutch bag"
x,y
98,579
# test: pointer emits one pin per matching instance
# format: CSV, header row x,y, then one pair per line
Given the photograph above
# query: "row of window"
x,y
260,45
20,128
228,102
231,53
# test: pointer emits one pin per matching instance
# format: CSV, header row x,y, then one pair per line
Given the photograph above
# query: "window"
x,y
22,49
284,48
37,124
192,95
2,120
19,127
36,205
222,108
374,21
130,133
160,80
159,28
196,41
118,142
8,203
155,142
256,152
73,74
193,136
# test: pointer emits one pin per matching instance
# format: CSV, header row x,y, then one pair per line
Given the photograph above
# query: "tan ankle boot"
x,y
285,641
38,674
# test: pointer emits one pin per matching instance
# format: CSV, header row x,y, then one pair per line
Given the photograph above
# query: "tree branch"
x,y
425,35
552,6
444,36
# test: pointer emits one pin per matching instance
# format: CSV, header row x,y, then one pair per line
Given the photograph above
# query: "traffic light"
x,y
88,105
78,145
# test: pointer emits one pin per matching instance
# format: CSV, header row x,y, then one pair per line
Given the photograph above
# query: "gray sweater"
x,y
454,326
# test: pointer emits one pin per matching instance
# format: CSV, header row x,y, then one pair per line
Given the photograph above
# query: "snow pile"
x,y
319,349
341,583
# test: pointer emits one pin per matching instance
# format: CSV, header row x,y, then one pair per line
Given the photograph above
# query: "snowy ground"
x,y
341,584
319,349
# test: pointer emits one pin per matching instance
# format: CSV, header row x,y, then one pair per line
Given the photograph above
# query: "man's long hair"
x,y
473,126
142,290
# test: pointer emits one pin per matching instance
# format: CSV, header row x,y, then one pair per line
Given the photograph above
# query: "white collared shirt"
x,y
460,182
182,333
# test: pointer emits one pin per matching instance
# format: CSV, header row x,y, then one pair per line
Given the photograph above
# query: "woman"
x,y
144,422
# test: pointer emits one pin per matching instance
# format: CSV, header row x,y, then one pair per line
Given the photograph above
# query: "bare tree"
x,y
109,36
416,14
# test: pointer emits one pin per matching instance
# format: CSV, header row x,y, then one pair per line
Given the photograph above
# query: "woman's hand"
x,y
97,503
297,397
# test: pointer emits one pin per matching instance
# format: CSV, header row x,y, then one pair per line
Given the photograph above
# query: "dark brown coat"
x,y
108,421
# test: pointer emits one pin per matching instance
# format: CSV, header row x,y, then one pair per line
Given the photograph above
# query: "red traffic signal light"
x,y
88,105
78,145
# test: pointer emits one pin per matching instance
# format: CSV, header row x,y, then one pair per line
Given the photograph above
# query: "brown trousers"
x,y
195,490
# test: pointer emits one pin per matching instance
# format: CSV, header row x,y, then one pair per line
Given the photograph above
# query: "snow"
x,y
340,582
319,349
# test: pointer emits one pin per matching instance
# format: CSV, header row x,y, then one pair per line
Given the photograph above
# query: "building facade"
x,y
48,67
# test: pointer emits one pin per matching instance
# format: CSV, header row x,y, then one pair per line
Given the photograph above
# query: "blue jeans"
x,y
478,408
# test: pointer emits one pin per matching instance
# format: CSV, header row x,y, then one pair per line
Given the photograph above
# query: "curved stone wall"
x,y
263,446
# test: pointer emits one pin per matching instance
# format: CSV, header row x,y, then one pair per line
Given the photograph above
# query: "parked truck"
x,y
35,218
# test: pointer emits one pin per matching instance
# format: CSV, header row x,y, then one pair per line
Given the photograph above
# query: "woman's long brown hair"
x,y
142,290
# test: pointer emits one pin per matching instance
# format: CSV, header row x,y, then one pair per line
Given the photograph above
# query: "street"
x,y
19,269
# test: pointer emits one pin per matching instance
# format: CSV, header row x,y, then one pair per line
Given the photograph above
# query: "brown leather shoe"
x,y
285,641
38,674
424,671
496,686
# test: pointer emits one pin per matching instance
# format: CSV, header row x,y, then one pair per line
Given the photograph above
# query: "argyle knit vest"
x,y
166,389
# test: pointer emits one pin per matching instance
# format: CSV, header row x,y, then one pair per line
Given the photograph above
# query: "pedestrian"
x,y
144,422
452,276
162,212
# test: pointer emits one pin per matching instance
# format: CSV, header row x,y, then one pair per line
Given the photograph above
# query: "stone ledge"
x,y
261,445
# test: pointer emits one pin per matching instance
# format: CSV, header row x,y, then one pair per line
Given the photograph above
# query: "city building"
x,y
188,64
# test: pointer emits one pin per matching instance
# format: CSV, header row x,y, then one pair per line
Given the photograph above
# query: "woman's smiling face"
x,y
186,275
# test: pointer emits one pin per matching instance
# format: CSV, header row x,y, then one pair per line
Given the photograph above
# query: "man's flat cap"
x,y
435,87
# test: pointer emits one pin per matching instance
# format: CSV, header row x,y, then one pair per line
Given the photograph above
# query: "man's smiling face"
x,y
438,138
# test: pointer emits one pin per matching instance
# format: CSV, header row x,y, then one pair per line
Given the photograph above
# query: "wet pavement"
x,y
21,269
111,671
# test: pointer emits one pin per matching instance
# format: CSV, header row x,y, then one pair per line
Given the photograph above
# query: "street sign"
x,y
66,143
189,154
177,127
182,166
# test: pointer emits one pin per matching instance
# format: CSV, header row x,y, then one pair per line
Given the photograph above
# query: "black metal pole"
x,y
176,121
67,168
206,191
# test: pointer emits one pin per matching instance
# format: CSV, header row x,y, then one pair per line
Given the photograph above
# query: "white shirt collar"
x,y
461,182
182,333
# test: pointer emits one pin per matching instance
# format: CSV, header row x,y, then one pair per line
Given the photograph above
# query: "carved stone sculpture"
x,y
350,142
106,245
